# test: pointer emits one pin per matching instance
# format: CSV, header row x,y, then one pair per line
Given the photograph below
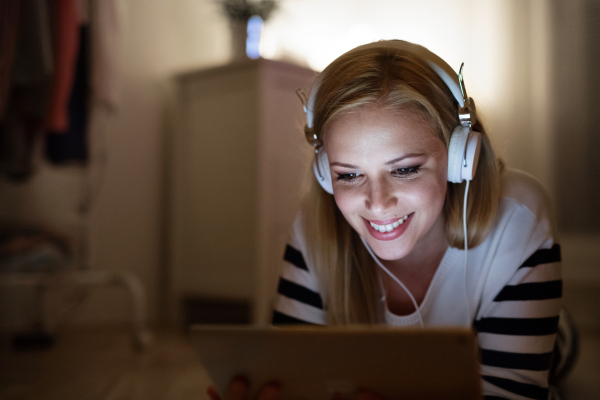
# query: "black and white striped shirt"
x,y
513,283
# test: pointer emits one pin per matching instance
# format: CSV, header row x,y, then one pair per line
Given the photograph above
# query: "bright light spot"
x,y
255,25
423,37
326,51
268,42
357,35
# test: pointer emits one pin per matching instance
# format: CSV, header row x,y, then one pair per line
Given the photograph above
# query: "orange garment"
x,y
66,45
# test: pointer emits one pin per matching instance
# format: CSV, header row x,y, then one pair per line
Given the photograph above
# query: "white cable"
x,y
397,281
466,249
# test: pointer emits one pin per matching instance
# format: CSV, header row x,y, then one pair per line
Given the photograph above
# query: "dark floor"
x,y
583,302
101,363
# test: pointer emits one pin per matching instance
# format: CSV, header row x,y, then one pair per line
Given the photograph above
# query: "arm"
x,y
518,329
298,300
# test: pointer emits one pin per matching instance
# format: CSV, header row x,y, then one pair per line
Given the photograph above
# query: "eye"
x,y
348,177
405,172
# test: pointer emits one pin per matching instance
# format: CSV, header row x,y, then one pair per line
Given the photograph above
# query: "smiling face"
x,y
389,179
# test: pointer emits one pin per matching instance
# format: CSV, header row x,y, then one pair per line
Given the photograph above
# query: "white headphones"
x,y
464,146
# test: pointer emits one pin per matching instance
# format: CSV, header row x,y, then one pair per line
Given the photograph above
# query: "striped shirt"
x,y
514,291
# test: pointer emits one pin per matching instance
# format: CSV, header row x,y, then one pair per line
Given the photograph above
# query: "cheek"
x,y
435,186
351,205
434,194
429,195
346,201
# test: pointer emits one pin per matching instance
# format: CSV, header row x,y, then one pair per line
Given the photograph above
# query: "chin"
x,y
394,250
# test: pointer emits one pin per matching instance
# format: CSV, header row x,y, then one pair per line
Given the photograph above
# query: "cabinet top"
x,y
246,66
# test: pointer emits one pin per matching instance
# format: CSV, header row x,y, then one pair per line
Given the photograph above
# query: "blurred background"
x,y
152,160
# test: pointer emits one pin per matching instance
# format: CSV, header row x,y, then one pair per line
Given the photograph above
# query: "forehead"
x,y
382,130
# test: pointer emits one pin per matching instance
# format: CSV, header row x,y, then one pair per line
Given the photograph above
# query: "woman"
x,y
380,238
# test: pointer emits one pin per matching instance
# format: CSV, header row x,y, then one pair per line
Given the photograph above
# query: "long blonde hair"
x,y
391,79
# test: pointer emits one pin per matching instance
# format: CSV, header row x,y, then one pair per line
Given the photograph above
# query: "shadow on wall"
x,y
576,115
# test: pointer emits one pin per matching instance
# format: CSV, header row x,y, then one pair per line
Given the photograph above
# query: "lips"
x,y
395,232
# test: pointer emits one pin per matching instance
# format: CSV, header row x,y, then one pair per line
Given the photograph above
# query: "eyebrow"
x,y
411,155
395,160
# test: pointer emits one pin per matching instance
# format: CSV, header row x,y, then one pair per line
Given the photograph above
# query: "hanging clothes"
x,y
107,18
96,83
27,100
60,62
9,24
66,45
70,144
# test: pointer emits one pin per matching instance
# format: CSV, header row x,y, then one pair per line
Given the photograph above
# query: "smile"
x,y
389,227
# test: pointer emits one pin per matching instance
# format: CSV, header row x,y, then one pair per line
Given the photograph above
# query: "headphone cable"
x,y
395,279
466,250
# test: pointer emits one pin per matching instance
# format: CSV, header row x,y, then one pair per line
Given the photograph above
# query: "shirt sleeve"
x,y
298,300
516,333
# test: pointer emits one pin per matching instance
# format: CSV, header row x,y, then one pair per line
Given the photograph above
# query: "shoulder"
x,y
524,225
524,237
299,299
297,237
527,191
525,195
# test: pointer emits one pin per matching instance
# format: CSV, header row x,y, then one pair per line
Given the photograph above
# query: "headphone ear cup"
x,y
459,141
322,172
456,150
473,149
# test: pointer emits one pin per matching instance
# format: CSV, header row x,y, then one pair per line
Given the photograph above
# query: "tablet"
x,y
312,363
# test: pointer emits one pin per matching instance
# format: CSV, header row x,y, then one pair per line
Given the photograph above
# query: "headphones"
x,y
464,146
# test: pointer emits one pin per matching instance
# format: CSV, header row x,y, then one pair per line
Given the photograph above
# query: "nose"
x,y
380,198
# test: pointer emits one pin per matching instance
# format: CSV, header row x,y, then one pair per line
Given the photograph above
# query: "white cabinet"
x,y
238,160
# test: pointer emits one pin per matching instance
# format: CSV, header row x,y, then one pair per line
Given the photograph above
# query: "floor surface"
x,y
101,364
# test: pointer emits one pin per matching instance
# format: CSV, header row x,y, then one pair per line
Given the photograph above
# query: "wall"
x,y
505,46
161,38
577,114
125,228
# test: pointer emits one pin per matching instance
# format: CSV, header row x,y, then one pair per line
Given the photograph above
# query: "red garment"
x,y
66,45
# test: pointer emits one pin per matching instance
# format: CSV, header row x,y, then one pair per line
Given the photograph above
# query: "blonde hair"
x,y
390,79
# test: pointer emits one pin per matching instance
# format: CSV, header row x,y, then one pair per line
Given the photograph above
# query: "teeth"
x,y
389,227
